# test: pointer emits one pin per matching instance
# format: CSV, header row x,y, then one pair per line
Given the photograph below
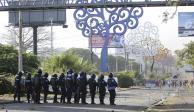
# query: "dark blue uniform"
x,y
92,86
62,87
28,86
82,86
45,85
17,86
75,88
69,85
112,84
102,88
55,87
37,86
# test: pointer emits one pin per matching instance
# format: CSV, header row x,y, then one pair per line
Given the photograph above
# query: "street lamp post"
x,y
20,66
91,45
52,36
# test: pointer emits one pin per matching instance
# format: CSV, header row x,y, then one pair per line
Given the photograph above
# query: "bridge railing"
x,y
7,5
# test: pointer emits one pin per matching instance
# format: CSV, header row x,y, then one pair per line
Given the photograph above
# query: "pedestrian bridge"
x,y
15,5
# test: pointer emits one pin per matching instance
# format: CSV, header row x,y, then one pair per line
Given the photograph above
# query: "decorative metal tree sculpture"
x,y
142,38
106,21
144,42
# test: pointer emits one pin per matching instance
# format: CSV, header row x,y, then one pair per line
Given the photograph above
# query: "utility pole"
x,y
52,48
20,65
35,39
91,42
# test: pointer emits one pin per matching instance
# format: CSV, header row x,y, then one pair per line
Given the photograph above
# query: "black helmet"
x,y
93,76
110,75
81,74
39,71
55,75
62,75
70,71
46,74
75,75
19,73
101,76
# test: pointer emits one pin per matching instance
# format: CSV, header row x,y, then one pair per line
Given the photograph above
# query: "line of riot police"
x,y
69,86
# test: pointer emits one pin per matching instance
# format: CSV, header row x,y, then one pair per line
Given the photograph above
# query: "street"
x,y
129,100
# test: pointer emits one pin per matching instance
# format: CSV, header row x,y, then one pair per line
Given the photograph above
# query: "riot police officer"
x,y
102,88
112,84
92,86
75,88
37,86
55,87
62,87
17,86
28,86
82,86
45,85
69,85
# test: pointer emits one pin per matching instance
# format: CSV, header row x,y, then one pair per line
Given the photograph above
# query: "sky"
x,y
72,37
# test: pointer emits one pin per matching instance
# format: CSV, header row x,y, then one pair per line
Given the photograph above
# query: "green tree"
x,y
84,53
60,63
186,55
9,60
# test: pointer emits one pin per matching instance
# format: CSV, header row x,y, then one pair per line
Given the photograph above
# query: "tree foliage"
x,y
9,60
85,54
186,55
125,79
60,63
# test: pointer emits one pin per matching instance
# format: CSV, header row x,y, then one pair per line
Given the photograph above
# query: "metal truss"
x,y
15,5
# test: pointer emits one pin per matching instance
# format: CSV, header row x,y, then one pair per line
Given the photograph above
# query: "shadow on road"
x,y
71,108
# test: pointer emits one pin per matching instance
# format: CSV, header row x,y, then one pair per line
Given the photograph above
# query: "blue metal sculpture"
x,y
105,21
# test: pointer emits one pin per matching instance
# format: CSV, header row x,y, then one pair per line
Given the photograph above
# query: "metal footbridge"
x,y
15,5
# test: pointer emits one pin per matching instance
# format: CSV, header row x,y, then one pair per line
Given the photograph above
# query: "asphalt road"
x,y
131,100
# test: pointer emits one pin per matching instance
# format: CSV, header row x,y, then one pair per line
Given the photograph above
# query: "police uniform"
x,y
17,86
62,87
45,85
112,84
69,85
102,88
92,86
75,88
28,86
82,86
55,86
37,86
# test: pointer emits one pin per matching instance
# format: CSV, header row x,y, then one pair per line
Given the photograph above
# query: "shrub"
x,y
6,85
125,79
